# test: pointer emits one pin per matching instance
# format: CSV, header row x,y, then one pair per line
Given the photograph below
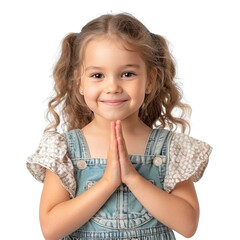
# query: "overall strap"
x,y
76,144
160,142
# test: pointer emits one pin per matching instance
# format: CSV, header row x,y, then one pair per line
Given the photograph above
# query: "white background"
x,y
204,39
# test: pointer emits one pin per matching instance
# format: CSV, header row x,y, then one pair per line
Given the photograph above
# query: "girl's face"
x,y
113,81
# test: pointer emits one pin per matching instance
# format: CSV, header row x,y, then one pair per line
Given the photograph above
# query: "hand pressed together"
x,y
119,167
127,169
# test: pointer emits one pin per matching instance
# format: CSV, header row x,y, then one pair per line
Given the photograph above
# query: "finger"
x,y
119,132
121,142
113,140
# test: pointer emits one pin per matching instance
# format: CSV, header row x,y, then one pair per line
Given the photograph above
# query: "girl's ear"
x,y
151,80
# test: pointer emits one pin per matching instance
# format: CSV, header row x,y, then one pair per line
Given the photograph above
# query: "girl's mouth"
x,y
113,102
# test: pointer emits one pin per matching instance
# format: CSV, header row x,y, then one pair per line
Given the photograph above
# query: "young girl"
x,y
111,175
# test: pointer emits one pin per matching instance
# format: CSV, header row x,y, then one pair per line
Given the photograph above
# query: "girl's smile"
x,y
113,102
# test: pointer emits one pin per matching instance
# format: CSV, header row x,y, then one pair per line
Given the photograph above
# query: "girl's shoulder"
x,y
52,138
181,142
187,157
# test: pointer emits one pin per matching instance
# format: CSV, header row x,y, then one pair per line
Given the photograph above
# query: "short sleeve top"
x,y
52,154
188,157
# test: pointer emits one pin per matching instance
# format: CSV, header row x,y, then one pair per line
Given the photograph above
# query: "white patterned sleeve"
x,y
52,154
188,157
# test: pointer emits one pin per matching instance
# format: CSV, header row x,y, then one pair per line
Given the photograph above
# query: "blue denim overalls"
x,y
122,216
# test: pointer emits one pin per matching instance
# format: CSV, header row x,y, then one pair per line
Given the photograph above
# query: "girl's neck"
x,y
130,127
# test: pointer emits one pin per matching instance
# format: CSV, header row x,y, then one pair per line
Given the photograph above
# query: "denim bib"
x,y
122,216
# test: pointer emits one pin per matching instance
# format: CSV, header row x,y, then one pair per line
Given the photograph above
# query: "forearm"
x,y
68,216
169,209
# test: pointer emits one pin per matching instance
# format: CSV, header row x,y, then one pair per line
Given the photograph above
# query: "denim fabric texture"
x,y
122,216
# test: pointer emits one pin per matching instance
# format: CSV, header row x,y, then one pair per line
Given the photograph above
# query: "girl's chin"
x,y
114,118
111,116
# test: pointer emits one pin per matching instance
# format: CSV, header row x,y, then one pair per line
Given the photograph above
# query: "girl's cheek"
x,y
139,95
91,94
90,89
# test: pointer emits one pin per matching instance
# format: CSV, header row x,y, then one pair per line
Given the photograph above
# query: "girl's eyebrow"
x,y
92,67
132,65
99,68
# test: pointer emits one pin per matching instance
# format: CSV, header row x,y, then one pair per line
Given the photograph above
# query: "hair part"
x,y
158,106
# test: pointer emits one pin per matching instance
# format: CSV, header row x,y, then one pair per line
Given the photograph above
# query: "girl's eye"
x,y
128,74
97,75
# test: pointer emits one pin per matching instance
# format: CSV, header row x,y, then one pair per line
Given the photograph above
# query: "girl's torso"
x,y
122,216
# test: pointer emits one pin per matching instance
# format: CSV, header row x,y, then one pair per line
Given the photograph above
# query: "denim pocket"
x,y
108,214
137,215
122,210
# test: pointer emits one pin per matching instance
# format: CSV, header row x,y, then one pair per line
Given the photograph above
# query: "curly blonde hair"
x,y
158,106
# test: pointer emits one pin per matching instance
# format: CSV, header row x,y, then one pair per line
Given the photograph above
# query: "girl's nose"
x,y
112,86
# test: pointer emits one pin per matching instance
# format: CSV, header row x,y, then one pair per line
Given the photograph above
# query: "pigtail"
x,y
166,96
63,76
171,92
